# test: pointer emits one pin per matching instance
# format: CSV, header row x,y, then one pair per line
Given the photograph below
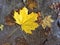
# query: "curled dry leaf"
x,y
39,18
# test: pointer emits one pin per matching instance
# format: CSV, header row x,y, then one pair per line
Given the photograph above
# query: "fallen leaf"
x,y
7,43
27,21
47,22
1,27
20,41
55,6
9,20
31,4
47,31
39,18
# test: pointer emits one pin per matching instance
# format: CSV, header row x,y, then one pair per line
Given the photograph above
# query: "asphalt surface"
x,y
38,37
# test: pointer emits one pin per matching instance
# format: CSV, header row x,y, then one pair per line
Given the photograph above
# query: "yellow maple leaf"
x,y
47,22
27,21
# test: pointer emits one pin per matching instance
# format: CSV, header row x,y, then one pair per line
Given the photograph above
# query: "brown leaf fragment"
x,y
55,6
39,18
47,31
21,41
31,4
6,43
9,21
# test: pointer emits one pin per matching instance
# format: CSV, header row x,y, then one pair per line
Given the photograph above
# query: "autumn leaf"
x,y
55,6
47,22
27,21
47,31
31,4
9,21
39,17
6,43
20,41
1,27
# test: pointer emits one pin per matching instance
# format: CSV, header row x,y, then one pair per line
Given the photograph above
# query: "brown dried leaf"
x,y
6,43
47,22
39,18
31,4
9,21
55,6
47,31
20,41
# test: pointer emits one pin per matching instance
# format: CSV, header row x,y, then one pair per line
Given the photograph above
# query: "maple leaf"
x,y
27,21
47,22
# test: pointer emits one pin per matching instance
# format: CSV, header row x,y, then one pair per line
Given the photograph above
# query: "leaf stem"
x,y
15,31
12,32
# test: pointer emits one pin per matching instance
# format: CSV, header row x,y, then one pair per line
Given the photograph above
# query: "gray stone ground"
x,y
38,37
